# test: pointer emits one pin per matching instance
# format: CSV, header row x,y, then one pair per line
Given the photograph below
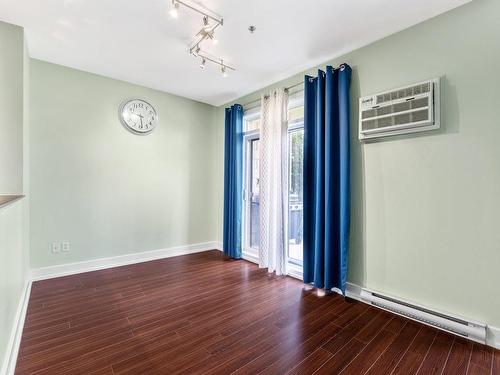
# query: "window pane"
x,y
296,115
251,119
254,195
252,124
295,213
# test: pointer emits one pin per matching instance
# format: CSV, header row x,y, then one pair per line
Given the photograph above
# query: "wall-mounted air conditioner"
x,y
409,109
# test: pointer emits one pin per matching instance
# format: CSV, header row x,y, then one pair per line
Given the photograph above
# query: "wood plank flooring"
x,y
203,314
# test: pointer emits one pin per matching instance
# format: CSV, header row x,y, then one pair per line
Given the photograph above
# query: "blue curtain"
x,y
233,181
326,178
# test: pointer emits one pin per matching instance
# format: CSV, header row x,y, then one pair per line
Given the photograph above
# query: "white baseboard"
x,y
353,291
493,337
492,333
121,260
10,359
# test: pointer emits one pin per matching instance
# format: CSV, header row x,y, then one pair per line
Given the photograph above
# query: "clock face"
x,y
138,116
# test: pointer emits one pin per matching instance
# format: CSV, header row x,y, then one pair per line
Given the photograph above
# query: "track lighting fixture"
x,y
195,51
207,32
197,7
211,21
205,56
206,25
174,12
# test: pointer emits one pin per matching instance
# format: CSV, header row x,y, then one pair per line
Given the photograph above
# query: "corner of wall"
x,y
26,152
14,218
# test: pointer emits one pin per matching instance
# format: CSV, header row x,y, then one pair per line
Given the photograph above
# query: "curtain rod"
x,y
258,100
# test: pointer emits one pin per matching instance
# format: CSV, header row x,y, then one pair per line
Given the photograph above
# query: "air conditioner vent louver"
x,y
470,330
401,93
409,109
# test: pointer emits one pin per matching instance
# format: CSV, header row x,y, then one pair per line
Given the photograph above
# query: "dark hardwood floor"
x,y
201,314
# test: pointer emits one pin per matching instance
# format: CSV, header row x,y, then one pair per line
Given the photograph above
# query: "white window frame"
x,y
248,253
294,267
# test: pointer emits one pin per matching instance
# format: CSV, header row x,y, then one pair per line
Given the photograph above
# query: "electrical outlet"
x,y
56,247
65,247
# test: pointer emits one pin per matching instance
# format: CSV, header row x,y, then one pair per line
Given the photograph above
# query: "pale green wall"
x,y
105,190
426,208
14,217
11,109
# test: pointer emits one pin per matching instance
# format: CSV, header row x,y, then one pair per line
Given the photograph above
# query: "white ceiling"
x,y
137,41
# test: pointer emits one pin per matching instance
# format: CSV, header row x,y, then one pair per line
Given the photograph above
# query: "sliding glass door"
x,y
295,203
251,193
295,182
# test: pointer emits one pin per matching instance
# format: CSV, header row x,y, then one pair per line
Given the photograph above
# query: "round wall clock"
x,y
138,116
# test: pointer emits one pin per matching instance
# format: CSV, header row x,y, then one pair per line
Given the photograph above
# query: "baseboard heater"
x,y
471,330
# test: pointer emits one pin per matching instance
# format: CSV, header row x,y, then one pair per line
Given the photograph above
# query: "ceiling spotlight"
x,y
223,71
174,12
195,51
203,62
206,26
211,36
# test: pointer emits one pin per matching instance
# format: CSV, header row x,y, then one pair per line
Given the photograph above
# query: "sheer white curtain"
x,y
273,181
